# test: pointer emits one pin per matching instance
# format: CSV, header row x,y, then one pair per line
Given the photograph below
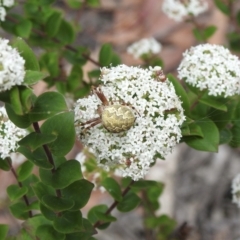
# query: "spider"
x,y
115,118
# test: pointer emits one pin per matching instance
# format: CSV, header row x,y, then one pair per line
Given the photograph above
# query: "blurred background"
x,y
197,191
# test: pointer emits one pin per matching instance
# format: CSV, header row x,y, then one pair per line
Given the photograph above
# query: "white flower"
x,y
8,3
2,13
236,190
211,67
155,131
180,9
9,135
144,46
11,66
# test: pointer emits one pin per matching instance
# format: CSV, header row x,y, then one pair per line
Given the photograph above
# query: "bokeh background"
x,y
197,191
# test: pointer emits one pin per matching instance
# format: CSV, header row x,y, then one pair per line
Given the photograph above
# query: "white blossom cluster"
x,y
211,67
155,132
12,70
144,46
9,135
3,5
180,9
236,190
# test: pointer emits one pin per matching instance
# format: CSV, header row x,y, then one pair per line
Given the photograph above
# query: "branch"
x,y
49,155
114,204
20,185
44,35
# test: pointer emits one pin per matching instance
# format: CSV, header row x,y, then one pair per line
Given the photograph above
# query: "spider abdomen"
x,y
117,118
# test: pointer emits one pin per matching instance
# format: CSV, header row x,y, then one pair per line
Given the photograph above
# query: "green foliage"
x,y
48,232
180,92
56,204
31,62
65,136
34,140
113,188
69,222
3,231
129,202
4,165
73,191
105,55
53,23
211,137
24,171
42,109
98,214
222,6
15,192
63,176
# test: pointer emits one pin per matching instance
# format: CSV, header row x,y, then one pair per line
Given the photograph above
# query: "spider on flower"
x,y
115,117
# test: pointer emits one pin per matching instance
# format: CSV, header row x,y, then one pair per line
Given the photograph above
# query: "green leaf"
x,y
83,235
225,136
47,213
3,231
53,23
105,55
198,34
19,210
16,192
37,157
40,189
31,62
213,102
24,28
47,105
34,140
113,188
79,192
66,33
98,213
75,4
75,78
32,77
4,165
62,126
222,6
181,93
24,170
56,204
115,60
49,233
93,3
211,137
193,129
15,101
209,31
69,222
235,130
32,224
27,98
20,121
50,61
129,202
65,174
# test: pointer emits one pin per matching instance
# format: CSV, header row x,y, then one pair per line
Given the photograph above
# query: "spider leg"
x,y
92,122
101,96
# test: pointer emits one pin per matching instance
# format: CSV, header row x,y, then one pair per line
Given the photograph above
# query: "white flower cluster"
x,y
3,5
9,135
180,9
211,67
236,190
144,46
12,70
155,132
